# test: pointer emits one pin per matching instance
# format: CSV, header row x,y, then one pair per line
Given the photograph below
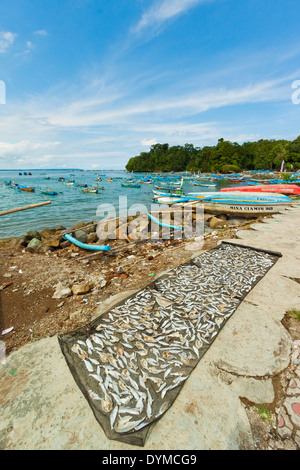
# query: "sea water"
x,y
71,205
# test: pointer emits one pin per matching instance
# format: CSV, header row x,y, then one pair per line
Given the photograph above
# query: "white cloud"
x,y
164,10
24,147
41,32
148,142
6,40
79,114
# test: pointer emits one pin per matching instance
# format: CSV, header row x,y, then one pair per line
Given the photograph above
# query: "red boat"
x,y
268,188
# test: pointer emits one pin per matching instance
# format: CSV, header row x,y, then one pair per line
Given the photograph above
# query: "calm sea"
x,y
70,205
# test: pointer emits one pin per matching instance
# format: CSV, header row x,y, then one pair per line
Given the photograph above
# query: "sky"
x,y
91,83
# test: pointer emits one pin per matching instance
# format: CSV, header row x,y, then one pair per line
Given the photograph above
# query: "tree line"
x,y
225,157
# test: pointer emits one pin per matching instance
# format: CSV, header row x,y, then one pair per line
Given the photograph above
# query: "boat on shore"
x,y
269,188
235,203
206,185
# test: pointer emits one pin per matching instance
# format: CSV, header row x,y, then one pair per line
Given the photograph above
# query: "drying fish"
x,y
93,395
106,404
103,358
152,341
121,427
88,365
120,350
113,416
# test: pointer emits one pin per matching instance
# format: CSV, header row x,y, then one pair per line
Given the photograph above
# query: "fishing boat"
x,y
205,185
238,197
268,188
235,203
130,185
85,190
236,180
167,194
24,188
48,192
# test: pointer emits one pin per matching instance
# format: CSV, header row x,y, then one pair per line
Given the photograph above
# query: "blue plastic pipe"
x,y
175,227
87,247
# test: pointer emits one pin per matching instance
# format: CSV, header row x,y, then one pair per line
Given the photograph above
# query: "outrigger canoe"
x,y
268,188
239,197
24,188
89,190
131,185
234,203
49,193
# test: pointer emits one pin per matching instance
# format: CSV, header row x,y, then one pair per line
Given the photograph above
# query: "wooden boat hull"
x,y
239,197
29,190
245,211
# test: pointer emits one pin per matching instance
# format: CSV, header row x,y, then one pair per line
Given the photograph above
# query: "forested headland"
x,y
225,157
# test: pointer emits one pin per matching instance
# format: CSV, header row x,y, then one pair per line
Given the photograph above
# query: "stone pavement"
x,y
276,232
42,407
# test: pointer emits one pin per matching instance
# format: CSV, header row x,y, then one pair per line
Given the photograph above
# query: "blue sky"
x,y
91,83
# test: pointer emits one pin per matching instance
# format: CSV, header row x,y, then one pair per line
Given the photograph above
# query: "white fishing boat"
x,y
235,203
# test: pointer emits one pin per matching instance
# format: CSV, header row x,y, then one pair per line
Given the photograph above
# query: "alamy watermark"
x,y
163,221
296,94
2,92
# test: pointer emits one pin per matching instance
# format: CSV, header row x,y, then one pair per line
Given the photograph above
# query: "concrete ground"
x,y
42,407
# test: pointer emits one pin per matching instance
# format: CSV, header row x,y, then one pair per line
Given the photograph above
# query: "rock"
x,y
101,241
62,292
81,236
52,242
47,233
90,229
28,236
45,249
7,275
34,243
92,238
236,221
80,289
65,244
17,243
50,238
77,226
217,223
